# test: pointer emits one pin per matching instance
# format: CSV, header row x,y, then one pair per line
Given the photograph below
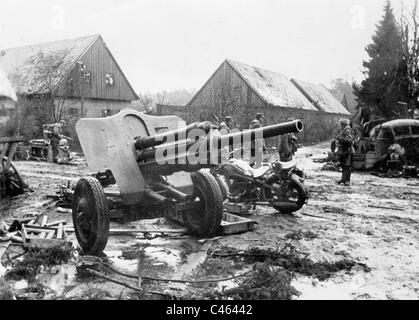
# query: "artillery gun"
x,y
155,162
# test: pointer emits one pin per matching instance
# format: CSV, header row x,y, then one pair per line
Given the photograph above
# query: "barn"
x,y
77,77
241,90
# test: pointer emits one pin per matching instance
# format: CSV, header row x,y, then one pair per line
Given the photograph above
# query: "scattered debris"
x,y
332,209
34,259
6,291
300,234
331,167
290,259
266,282
232,224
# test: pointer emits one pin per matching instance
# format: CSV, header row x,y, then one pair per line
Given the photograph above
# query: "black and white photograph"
x,y
209,151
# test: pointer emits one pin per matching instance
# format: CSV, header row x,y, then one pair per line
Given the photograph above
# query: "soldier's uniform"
x,y
345,141
256,123
52,132
223,128
396,152
287,147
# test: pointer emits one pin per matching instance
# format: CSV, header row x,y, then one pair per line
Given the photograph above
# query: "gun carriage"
x,y
150,167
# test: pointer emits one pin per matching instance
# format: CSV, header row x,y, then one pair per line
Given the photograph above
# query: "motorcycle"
x,y
279,184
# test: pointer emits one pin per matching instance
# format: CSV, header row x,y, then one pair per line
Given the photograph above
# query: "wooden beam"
x,y
11,139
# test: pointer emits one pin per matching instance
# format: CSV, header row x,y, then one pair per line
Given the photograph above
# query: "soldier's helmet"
x,y
344,122
260,116
228,118
63,122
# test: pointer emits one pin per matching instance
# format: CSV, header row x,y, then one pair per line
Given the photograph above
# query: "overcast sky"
x,y
178,44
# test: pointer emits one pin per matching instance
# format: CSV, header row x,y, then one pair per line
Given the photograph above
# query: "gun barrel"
x,y
262,132
152,141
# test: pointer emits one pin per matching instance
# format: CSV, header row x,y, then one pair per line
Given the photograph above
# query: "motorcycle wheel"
x,y
294,197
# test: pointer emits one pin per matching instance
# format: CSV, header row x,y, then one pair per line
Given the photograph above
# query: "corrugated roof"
x,y
274,88
320,97
21,61
6,90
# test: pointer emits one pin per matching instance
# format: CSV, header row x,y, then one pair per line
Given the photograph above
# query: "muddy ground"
x,y
374,223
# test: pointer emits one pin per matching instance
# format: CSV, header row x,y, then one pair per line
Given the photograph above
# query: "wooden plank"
x,y
3,248
56,223
51,235
24,234
232,224
12,139
44,220
10,156
38,227
2,155
60,231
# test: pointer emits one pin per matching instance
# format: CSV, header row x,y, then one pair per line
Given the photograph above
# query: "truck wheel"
x,y
90,215
205,219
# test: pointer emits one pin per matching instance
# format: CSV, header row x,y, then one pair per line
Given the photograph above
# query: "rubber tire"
x,y
21,184
210,222
302,196
222,184
90,189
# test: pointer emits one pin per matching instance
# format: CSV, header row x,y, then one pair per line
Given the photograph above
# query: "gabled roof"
x,y
273,88
320,97
6,90
22,61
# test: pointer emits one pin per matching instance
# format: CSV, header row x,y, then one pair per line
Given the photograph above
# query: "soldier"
x,y
256,123
287,146
53,133
345,141
226,126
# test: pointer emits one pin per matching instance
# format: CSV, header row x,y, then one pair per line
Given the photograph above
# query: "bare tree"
x,y
409,25
146,102
43,91
52,80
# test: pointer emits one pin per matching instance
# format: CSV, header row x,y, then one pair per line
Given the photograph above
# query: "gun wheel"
x,y
90,215
205,219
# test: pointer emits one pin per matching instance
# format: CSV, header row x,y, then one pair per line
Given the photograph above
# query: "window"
x,y
385,133
109,80
107,112
415,130
402,131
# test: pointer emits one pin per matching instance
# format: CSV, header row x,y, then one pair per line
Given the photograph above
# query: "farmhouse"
x,y
78,77
242,90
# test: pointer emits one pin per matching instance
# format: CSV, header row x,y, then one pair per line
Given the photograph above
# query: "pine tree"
x,y
385,71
